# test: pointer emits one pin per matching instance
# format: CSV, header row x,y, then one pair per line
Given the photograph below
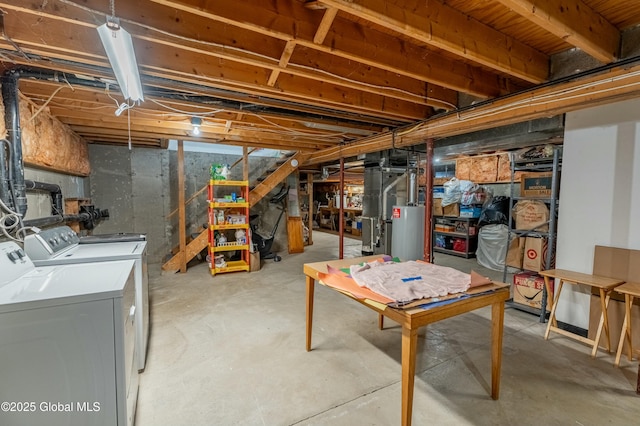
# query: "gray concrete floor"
x,y
230,349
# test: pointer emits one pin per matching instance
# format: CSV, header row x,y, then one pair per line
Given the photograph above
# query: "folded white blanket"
x,y
406,281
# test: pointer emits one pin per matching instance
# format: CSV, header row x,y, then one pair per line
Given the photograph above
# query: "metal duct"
x,y
412,188
386,191
10,99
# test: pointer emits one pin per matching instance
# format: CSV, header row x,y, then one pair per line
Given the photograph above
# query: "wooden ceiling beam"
x,y
182,130
121,136
189,62
369,47
437,24
614,85
194,88
284,60
90,99
325,25
574,22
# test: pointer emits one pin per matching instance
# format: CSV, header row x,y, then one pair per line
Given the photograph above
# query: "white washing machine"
x,y
67,342
61,246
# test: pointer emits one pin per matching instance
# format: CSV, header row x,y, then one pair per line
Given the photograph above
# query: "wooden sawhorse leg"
x,y
604,323
556,297
626,330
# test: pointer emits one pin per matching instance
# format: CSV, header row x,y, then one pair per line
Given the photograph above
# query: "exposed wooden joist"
x,y
325,25
236,96
574,22
188,60
84,99
369,47
437,24
182,128
284,60
614,85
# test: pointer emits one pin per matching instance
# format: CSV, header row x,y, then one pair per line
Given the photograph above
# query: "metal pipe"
x,y
341,209
5,194
44,221
10,99
53,190
428,204
412,191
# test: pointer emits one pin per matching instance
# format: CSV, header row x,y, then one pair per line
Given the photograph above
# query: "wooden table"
x,y
412,319
603,284
630,290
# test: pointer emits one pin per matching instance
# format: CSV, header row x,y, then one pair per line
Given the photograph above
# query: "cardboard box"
x,y
531,214
467,211
437,207
254,261
452,210
527,289
515,253
438,192
536,184
616,317
535,255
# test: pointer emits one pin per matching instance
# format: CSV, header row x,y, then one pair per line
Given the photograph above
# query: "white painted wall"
x,y
599,194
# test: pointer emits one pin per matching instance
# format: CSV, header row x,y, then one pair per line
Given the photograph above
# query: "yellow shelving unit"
x,y
222,208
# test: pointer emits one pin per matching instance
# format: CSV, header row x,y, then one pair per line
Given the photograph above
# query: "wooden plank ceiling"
x,y
291,74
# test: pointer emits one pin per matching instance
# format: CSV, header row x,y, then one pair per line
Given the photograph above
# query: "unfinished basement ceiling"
x,y
298,75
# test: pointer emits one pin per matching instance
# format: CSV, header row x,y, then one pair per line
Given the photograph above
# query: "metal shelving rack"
x,y
471,240
551,164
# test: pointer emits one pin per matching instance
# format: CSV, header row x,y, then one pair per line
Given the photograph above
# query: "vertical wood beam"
x,y
182,222
245,163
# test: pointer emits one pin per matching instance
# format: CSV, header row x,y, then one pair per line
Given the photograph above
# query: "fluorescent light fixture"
x,y
196,122
119,47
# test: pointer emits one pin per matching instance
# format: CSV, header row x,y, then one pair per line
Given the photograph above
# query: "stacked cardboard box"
x,y
528,289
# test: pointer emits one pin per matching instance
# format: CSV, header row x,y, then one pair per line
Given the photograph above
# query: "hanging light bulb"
x,y
196,122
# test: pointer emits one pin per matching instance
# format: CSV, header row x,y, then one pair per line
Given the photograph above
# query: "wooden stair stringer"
x,y
275,178
192,249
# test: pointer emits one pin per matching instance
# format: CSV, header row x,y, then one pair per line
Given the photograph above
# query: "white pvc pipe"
x,y
386,190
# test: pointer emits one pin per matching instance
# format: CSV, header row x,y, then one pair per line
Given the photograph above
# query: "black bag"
x,y
495,211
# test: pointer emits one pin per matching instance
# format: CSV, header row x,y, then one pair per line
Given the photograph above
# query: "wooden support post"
x,y
182,222
245,163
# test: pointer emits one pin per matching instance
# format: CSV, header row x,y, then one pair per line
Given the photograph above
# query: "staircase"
x,y
265,183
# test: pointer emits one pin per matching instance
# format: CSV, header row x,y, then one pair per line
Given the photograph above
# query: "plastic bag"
x,y
475,194
492,247
495,211
452,192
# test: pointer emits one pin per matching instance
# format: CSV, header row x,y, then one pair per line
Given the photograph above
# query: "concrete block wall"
x,y
140,189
